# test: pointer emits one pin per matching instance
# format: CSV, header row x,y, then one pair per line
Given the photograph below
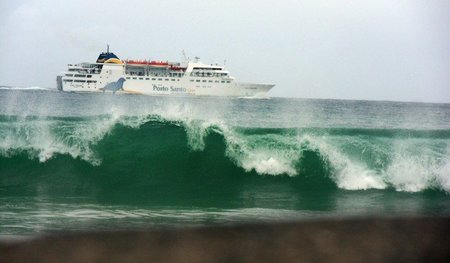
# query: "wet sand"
x,y
327,240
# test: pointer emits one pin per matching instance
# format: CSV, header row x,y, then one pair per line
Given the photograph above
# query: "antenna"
x,y
184,55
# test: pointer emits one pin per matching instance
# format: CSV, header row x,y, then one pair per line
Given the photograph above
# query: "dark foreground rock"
x,y
355,240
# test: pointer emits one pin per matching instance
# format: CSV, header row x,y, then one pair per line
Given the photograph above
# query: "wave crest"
x,y
353,160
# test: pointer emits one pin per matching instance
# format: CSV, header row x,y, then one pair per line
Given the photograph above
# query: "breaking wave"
x,y
26,88
352,159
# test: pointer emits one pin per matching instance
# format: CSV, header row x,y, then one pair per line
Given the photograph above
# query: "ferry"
x,y
156,77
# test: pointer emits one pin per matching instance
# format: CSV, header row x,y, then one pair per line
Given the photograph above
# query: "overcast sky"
x,y
376,50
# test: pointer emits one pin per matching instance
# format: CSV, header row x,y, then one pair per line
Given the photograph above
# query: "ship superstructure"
x,y
152,77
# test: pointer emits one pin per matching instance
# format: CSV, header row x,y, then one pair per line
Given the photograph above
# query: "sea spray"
x,y
268,153
348,173
418,163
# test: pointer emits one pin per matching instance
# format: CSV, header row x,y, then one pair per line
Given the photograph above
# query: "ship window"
x,y
198,80
216,81
89,76
147,78
166,79
153,78
141,78
128,77
81,76
79,80
192,80
178,79
134,78
222,81
160,79
228,81
173,79
69,75
204,80
210,81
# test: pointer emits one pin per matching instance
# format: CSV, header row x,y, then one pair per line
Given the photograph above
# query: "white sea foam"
x,y
348,173
401,163
417,165
196,132
271,154
443,176
412,164
42,138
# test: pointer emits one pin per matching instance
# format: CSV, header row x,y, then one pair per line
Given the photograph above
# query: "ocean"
x,y
71,162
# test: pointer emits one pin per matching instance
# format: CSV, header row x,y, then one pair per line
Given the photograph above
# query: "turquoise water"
x,y
98,161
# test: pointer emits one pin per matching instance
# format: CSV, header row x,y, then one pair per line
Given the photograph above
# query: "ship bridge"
x,y
199,69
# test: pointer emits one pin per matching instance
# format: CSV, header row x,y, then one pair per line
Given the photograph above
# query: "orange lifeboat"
x,y
153,63
137,62
176,68
158,64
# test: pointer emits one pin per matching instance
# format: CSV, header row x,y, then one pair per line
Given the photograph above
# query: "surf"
x,y
349,158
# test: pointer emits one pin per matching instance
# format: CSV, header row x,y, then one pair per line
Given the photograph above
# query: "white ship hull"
x,y
172,88
194,79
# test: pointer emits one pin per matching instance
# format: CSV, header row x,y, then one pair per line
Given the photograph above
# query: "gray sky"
x,y
376,50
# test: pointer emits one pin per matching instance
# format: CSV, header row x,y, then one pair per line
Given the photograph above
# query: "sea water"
x,y
73,161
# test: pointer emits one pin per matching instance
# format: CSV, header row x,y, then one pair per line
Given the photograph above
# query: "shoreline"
x,y
328,240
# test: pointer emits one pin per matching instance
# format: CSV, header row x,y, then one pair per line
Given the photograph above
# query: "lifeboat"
x,y
153,63
137,62
176,68
158,64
